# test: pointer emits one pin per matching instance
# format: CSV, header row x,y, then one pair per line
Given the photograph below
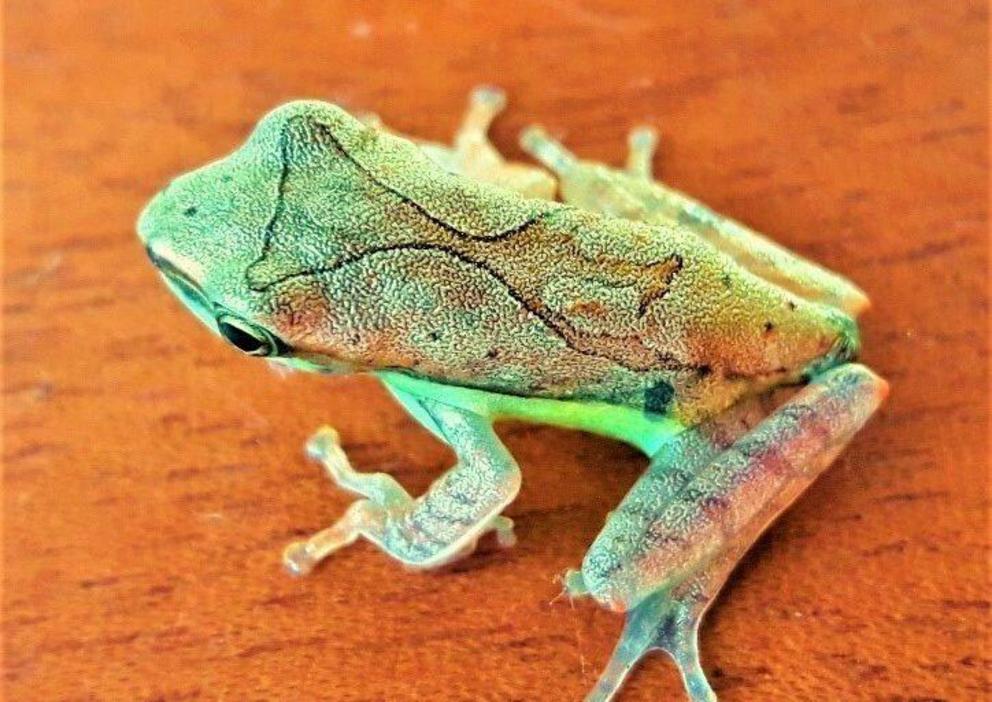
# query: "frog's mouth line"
x,y
186,290
194,301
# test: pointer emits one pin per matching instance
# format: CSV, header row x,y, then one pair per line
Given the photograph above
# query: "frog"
x,y
329,243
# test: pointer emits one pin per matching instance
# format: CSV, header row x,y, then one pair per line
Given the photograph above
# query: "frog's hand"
x,y
438,527
667,550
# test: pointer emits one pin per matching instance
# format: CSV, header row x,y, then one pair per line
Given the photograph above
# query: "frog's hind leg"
x,y
752,250
668,549
632,194
435,529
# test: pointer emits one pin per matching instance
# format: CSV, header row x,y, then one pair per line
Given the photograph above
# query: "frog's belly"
x,y
643,430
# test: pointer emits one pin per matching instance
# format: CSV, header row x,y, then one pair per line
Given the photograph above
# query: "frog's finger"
x,y
300,557
380,488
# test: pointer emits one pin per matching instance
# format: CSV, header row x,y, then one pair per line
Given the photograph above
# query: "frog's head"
x,y
223,235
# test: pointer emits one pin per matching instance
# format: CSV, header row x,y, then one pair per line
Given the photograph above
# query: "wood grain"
x,y
151,476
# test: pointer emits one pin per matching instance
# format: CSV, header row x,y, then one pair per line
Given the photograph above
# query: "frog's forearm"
x,y
431,530
464,500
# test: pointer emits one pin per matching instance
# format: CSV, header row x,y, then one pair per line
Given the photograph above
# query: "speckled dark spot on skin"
x,y
791,305
190,211
492,353
769,327
658,397
715,503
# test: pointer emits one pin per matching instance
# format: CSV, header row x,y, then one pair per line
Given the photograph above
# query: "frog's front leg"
x,y
665,553
477,158
431,530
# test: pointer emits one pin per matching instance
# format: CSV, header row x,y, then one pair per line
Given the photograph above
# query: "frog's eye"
x,y
247,337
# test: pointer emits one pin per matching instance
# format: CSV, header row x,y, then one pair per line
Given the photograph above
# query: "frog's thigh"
x,y
688,521
436,528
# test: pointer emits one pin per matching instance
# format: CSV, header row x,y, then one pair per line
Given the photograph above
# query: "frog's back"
x,y
473,285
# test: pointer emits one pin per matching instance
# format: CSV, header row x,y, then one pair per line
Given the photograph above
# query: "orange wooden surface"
x,y
151,475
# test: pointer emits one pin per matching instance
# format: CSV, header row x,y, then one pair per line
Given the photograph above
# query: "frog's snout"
x,y
151,217
144,222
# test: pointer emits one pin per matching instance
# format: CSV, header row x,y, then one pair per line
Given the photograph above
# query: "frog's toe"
x,y
660,622
298,558
490,96
575,584
503,526
323,444
642,143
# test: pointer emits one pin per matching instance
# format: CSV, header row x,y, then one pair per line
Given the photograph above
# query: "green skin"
x,y
331,245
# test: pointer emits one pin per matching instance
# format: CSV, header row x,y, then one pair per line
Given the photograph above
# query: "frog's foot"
x,y
664,623
477,157
642,143
435,529
664,554
573,584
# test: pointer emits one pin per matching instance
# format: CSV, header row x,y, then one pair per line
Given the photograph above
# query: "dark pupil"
x,y
243,340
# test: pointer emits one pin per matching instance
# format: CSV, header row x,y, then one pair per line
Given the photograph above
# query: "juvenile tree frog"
x,y
330,244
